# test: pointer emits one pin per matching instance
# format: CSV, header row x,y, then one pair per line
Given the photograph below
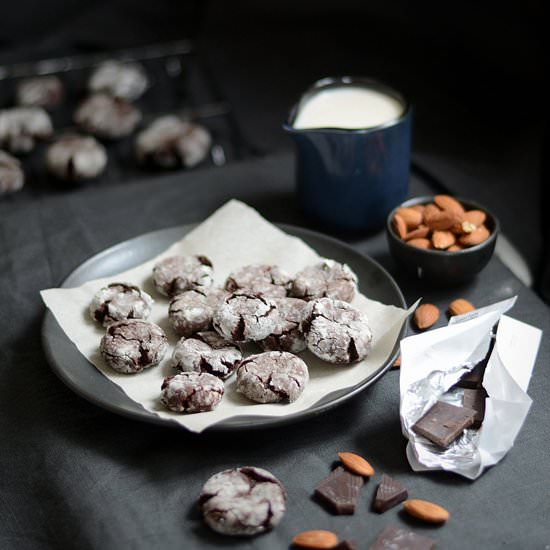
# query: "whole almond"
x,y
477,217
443,239
397,363
446,202
419,208
399,226
429,210
412,218
419,233
441,220
426,511
426,315
316,540
420,243
460,306
356,464
454,248
476,237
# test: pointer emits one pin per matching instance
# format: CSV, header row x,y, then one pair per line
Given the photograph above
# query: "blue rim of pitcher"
x,y
338,81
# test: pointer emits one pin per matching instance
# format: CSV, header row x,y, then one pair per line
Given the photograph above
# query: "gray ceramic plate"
x,y
82,377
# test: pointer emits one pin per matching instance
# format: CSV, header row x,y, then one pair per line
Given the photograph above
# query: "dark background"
x,y
473,70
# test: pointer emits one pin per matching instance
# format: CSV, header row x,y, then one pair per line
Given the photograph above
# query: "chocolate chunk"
x,y
443,423
475,399
394,538
340,490
345,545
473,379
389,493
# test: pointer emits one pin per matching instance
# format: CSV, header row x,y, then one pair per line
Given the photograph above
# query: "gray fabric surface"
x,y
76,476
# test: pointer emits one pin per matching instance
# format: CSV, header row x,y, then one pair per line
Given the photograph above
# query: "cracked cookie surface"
x,y
207,352
191,392
242,501
245,317
336,332
328,279
132,345
269,280
192,310
177,274
287,334
272,377
119,301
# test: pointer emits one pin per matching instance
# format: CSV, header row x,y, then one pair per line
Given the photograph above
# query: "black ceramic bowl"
x,y
441,266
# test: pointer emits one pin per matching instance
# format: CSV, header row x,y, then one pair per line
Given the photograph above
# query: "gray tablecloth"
x,y
76,476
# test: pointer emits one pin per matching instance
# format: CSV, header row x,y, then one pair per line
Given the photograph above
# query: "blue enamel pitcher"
x,y
350,179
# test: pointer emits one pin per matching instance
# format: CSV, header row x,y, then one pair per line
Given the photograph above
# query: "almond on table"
x,y
426,315
356,464
316,540
426,511
460,306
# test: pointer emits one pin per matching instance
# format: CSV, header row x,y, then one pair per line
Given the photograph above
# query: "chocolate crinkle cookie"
x,y
287,334
133,345
170,142
177,274
326,279
272,377
107,117
119,301
336,332
191,392
76,158
12,177
207,352
269,280
22,127
242,501
245,317
192,311
123,80
40,91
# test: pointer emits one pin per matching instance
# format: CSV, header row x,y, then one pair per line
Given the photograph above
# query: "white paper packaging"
x,y
432,362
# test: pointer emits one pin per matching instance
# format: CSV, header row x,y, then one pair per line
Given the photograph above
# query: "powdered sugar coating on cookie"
x,y
242,501
177,274
119,301
287,335
336,332
191,392
192,310
269,280
133,345
244,317
328,279
272,377
207,352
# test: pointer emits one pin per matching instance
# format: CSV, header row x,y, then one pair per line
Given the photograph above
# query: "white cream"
x,y
348,107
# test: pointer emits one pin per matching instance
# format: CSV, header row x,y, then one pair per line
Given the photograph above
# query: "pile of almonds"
x,y
442,225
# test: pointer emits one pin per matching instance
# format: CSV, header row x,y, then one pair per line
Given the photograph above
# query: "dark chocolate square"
x,y
443,423
394,538
388,494
475,399
474,378
340,490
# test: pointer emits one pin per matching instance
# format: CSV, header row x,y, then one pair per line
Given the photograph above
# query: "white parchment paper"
x,y
233,236
432,362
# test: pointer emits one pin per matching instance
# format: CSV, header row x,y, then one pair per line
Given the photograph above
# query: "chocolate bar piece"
x,y
345,545
340,490
443,423
389,493
475,399
474,378
393,538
